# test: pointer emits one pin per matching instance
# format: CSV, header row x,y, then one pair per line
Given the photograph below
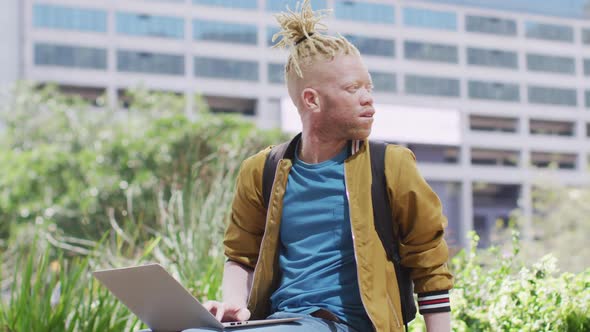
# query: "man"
x,y
316,253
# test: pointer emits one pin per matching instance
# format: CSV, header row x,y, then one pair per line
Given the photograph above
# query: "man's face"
x,y
346,105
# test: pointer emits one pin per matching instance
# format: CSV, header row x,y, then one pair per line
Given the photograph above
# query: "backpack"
x,y
382,216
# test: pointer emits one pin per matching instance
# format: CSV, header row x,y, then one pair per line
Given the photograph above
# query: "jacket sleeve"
x,y
418,212
248,216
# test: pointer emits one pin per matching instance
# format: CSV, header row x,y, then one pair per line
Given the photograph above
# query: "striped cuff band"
x,y
432,302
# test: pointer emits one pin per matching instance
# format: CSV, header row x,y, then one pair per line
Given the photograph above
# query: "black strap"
x,y
388,230
270,167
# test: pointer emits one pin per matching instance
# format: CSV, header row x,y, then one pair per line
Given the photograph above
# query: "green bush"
x,y
82,168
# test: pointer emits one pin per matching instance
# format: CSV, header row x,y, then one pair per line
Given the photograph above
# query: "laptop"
x,y
162,303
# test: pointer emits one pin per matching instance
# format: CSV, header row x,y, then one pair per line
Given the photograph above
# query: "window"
x,y
236,4
491,25
70,56
225,32
383,82
492,58
586,36
226,69
441,154
373,46
552,96
364,12
549,159
551,32
551,64
559,8
493,157
430,19
587,67
587,98
430,52
432,86
276,73
150,63
493,124
149,25
553,128
494,91
68,18
281,5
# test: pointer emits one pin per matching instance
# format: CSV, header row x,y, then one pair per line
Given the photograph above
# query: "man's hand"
x,y
226,312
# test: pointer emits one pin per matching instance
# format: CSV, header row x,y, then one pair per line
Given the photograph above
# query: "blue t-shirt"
x,y
316,251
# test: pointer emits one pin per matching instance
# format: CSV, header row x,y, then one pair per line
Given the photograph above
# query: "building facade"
x,y
492,96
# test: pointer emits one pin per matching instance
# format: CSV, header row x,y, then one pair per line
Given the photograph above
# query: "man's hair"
x,y
301,33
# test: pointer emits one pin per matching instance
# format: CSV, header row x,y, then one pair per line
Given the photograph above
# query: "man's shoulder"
x,y
255,162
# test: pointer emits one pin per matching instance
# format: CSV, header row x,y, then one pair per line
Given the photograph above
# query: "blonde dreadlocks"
x,y
301,34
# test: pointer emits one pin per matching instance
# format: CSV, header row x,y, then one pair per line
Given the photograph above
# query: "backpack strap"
x,y
388,230
276,153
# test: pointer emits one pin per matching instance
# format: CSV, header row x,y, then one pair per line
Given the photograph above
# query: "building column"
x,y
268,113
526,207
467,212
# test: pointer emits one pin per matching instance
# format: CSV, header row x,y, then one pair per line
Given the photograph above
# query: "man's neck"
x,y
314,149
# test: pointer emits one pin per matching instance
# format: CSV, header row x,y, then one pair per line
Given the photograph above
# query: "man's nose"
x,y
367,98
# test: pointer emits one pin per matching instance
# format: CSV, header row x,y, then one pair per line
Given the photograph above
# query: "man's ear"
x,y
311,99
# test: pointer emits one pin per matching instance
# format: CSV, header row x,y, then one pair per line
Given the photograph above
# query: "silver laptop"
x,y
161,302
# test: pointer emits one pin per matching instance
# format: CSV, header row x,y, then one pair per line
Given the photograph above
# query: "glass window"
x,y
551,64
492,25
432,86
383,82
276,73
430,153
492,58
587,67
586,36
547,159
364,12
430,19
226,68
587,98
237,4
431,52
552,128
70,56
552,32
69,18
270,31
493,157
150,25
225,32
493,124
150,63
560,8
373,46
552,96
493,91
281,5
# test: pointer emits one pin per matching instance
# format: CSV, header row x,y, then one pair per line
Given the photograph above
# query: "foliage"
x,y
158,185
80,167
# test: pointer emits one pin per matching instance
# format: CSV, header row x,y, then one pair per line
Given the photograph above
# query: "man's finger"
x,y
243,315
220,312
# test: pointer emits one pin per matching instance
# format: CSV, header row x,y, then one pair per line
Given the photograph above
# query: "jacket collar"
x,y
354,147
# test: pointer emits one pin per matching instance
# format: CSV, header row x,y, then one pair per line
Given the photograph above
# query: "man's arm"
x,y
438,322
237,280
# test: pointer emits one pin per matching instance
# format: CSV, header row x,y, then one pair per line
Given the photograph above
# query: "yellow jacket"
x,y
252,235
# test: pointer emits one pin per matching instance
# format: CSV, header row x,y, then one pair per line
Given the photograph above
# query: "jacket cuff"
x,y
433,302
